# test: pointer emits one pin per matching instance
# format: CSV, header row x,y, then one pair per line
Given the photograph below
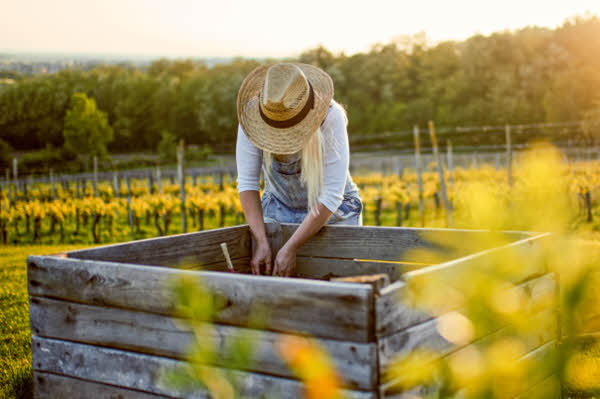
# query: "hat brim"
x,y
282,140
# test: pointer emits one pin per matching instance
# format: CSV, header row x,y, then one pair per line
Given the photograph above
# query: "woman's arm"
x,y
335,171
285,262
248,161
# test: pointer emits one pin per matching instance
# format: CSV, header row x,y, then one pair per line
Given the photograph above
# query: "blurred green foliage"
x,y
86,131
530,75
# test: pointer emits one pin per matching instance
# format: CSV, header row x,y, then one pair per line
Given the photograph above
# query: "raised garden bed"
x,y
102,318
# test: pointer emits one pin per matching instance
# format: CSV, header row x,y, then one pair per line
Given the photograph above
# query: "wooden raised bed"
x,y
102,322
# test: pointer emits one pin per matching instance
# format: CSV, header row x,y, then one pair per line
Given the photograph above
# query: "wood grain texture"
x,y
527,248
53,386
339,311
395,243
536,305
392,312
170,337
191,248
142,372
240,265
327,268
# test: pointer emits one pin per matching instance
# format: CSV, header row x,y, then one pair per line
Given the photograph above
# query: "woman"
x,y
289,121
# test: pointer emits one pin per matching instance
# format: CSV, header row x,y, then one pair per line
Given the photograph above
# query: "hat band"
x,y
310,103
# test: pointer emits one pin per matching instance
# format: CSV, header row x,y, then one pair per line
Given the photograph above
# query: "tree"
x,y
167,147
86,130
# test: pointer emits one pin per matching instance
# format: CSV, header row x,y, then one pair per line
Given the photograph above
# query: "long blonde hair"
x,y
312,162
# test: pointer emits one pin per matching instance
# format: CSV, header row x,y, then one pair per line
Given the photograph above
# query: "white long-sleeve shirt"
x,y
336,158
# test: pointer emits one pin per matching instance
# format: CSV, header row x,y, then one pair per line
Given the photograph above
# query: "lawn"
x,y
15,334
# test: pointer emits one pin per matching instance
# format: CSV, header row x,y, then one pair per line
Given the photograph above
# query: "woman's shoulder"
x,y
335,115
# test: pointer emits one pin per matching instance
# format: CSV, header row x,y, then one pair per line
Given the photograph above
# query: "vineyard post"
x,y
15,177
450,161
400,168
52,190
440,169
115,185
129,210
419,168
95,176
474,160
497,161
181,177
508,156
158,179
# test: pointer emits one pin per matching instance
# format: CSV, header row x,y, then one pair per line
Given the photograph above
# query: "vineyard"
x,y
141,208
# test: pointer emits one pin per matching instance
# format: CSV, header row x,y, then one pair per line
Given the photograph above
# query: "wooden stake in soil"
x,y
95,176
419,168
450,162
440,169
227,257
181,176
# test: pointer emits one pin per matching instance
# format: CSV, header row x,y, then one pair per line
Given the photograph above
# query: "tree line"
x,y
530,75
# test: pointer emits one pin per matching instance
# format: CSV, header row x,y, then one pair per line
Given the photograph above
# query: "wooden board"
x,y
339,311
53,386
326,268
425,335
392,314
164,336
175,250
524,249
240,265
394,243
141,372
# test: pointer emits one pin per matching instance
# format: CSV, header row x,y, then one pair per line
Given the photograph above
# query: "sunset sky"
x,y
259,28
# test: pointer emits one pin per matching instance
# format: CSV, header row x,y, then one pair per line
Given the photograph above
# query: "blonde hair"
x,y
311,164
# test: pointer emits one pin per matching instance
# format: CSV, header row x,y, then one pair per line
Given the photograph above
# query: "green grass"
x,y
15,334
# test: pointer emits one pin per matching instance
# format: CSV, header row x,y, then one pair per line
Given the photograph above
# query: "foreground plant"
x,y
492,324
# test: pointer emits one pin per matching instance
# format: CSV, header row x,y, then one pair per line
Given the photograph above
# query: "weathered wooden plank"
x,y
193,248
392,313
527,248
165,336
397,243
426,335
141,372
53,386
340,311
538,353
240,265
377,281
327,268
422,336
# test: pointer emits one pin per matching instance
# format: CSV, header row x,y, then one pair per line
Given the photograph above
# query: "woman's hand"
x,y
262,257
285,262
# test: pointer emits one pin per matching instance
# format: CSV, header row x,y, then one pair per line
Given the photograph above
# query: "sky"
x,y
259,28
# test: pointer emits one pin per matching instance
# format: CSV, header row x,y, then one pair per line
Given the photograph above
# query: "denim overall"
x,y
285,196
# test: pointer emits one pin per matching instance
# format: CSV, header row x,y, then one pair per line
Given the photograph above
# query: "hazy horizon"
x,y
230,28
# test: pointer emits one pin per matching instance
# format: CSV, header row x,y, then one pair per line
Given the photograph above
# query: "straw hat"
x,y
281,105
